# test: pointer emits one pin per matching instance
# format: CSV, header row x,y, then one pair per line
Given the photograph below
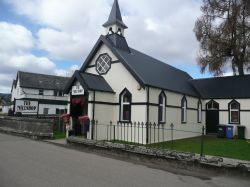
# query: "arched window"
x,y
184,110
125,105
111,31
199,111
212,105
234,112
162,108
119,31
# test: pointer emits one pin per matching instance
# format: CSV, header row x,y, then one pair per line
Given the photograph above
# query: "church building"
x,y
120,84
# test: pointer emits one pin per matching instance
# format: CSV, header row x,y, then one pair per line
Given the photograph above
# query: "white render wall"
x,y
244,115
118,78
52,108
173,115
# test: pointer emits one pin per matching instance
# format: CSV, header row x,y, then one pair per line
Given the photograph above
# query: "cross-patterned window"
x,y
103,64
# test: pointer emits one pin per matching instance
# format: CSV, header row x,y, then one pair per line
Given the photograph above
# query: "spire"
x,y
115,17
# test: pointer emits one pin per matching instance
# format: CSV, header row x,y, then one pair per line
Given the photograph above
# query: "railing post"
x,y
134,132
150,133
202,141
154,132
158,133
96,125
131,131
127,131
138,132
172,136
114,132
110,128
107,132
142,132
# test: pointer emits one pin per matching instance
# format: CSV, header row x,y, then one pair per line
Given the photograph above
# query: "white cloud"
x,y
62,45
163,27
68,72
15,38
15,54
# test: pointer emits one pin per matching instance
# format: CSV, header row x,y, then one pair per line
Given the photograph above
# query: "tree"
x,y
223,31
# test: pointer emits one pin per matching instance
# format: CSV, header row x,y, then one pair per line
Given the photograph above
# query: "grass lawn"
x,y
231,148
59,135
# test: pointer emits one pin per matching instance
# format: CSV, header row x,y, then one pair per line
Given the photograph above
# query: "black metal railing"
x,y
148,134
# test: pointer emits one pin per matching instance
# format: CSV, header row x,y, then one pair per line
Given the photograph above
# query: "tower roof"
x,y
115,16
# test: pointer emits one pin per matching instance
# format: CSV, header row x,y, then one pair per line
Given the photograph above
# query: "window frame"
x,y
162,113
122,104
199,112
41,92
230,110
214,103
97,61
184,110
46,109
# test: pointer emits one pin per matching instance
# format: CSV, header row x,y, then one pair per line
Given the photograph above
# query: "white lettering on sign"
x,y
26,106
77,90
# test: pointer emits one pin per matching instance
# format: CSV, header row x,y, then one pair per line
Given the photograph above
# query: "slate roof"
x,y
96,82
115,16
89,82
118,41
13,85
223,87
147,71
41,81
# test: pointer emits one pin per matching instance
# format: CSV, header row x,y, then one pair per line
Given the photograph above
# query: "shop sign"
x,y
77,90
25,106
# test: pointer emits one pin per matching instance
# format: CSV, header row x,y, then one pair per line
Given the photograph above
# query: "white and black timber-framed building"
x,y
119,83
39,94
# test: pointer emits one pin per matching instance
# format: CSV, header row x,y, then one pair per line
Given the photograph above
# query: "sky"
x,y
55,36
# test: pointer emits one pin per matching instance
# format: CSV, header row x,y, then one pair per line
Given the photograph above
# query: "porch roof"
x,y
89,82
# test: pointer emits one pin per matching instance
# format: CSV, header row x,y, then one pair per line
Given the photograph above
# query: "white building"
x,y
38,94
119,83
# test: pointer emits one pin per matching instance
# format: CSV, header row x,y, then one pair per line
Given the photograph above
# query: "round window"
x,y
103,64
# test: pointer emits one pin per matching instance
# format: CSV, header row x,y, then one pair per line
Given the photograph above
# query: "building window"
x,y
162,108
58,93
212,105
40,92
103,64
199,112
45,111
125,106
184,110
234,112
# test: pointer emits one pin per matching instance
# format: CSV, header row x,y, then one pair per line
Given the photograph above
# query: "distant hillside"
x,y
5,98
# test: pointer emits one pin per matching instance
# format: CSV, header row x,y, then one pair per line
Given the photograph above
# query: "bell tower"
x,y
115,23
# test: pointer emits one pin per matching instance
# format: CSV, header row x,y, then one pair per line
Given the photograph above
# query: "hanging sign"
x,y
77,90
25,106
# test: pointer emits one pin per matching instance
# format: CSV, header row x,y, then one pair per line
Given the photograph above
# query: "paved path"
x,y
27,163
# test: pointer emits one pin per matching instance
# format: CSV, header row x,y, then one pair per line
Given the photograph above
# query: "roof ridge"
x,y
42,74
222,77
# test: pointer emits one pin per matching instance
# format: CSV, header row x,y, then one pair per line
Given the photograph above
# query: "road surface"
x,y
28,163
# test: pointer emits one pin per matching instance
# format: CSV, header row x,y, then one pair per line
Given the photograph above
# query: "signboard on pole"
x,y
25,106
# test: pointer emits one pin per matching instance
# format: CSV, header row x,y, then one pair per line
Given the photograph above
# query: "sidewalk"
x,y
207,160
57,142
